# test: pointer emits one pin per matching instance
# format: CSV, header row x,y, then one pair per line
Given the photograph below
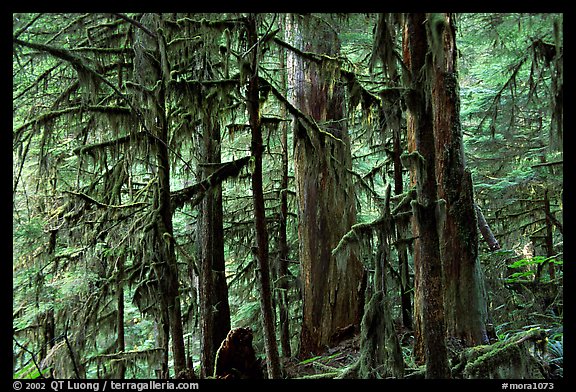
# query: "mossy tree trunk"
x,y
430,328
283,250
332,294
548,241
380,352
464,292
261,252
167,270
214,306
153,76
121,341
393,115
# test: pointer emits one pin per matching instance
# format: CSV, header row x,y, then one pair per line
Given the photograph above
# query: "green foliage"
x,y
31,372
83,151
526,267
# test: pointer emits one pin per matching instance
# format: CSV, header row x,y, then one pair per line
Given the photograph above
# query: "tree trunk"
x,y
282,268
167,270
380,352
214,306
393,117
332,294
548,242
49,323
257,149
429,305
153,75
549,238
464,292
120,342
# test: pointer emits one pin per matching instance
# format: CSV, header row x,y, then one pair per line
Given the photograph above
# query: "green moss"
x,y
501,360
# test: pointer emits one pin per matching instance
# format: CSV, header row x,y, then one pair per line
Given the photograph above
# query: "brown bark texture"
x,y
214,306
332,295
464,292
283,249
429,303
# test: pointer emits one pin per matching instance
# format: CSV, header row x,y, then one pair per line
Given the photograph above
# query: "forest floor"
x,y
333,359
488,361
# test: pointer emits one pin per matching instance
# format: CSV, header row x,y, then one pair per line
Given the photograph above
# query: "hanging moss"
x,y
380,352
436,24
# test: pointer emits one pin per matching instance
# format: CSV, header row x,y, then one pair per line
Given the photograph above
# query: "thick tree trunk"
x,y
429,305
257,149
214,306
282,267
464,292
332,293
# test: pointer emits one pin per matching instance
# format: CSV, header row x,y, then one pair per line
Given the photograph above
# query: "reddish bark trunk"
x,y
428,282
464,292
332,286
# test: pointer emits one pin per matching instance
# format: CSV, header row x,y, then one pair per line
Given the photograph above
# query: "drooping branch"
x,y
311,56
115,142
486,231
44,117
365,185
349,77
137,24
79,64
362,229
91,200
197,191
560,162
358,93
356,231
307,122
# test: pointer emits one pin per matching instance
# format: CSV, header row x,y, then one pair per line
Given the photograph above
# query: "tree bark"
x,y
257,149
154,76
120,342
332,294
282,268
214,306
167,270
464,292
429,303
393,117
